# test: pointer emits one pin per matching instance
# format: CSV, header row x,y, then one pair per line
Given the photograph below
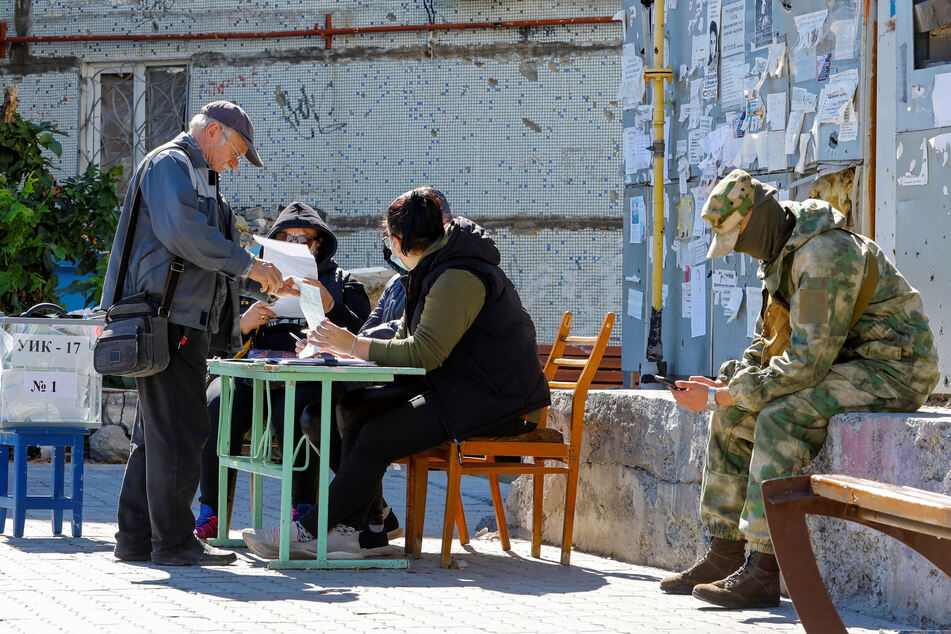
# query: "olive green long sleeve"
x,y
452,304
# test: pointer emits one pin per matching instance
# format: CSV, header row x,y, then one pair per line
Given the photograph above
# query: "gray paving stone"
x,y
55,584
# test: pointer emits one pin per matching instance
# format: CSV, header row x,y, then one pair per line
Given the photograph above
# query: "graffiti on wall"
x,y
310,113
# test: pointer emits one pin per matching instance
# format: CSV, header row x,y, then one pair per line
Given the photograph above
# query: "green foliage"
x,y
42,221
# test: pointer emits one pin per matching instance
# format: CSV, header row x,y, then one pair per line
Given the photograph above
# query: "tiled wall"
x,y
512,124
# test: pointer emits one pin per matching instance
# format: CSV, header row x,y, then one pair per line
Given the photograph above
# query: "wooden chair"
x,y
476,456
918,519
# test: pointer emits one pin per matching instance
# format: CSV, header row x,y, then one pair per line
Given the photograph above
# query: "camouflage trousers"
x,y
745,448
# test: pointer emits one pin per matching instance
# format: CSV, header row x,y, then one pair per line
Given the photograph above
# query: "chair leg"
x,y
77,460
58,463
19,487
4,482
571,496
421,467
462,529
408,524
454,477
499,507
538,498
785,501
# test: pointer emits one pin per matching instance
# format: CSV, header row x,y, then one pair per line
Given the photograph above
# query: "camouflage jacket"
x,y
818,275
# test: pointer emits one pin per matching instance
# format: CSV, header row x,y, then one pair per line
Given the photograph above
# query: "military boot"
x,y
755,585
723,557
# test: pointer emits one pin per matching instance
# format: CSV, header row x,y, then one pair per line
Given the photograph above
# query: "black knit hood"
x,y
298,215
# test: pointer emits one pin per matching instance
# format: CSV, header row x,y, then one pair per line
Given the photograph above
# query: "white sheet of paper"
x,y
776,62
636,155
730,300
638,219
291,259
833,100
844,39
792,130
921,178
803,65
754,304
733,38
804,139
776,151
776,110
313,310
941,100
698,300
849,129
809,26
732,79
698,56
685,300
632,76
635,303
803,100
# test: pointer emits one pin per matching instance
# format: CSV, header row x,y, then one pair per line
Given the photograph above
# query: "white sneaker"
x,y
343,542
265,542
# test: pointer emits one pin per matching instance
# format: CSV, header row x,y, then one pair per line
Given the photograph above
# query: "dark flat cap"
x,y
233,116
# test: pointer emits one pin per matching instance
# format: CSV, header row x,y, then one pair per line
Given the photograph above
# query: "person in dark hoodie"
x,y
345,304
465,324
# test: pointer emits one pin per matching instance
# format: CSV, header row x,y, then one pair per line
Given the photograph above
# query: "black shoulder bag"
x,y
134,341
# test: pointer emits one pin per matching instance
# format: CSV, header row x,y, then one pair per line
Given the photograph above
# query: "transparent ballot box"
x,y
46,373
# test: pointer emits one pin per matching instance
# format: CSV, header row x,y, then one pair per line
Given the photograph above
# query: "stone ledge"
x,y
639,495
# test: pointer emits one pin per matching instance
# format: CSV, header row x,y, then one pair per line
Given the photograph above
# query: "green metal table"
x,y
259,463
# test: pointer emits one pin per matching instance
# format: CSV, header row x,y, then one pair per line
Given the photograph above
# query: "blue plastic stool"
x,y
19,438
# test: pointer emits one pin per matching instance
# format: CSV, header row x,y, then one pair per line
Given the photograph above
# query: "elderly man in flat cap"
x,y
176,218
841,331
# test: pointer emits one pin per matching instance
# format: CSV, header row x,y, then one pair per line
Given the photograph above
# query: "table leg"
x,y
77,458
224,449
58,464
260,445
287,470
326,420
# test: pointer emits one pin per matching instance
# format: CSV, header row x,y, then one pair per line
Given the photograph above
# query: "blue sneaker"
x,y
300,511
206,526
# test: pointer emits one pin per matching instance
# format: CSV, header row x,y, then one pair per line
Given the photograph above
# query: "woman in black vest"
x,y
465,324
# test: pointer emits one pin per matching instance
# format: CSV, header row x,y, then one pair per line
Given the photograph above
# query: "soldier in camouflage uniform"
x,y
770,417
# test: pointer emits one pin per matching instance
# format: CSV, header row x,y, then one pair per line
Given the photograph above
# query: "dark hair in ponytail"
x,y
417,218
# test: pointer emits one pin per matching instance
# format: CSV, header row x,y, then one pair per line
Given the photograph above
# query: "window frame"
x,y
90,115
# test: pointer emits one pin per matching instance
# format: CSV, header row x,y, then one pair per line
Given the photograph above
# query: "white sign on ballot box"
x,y
46,373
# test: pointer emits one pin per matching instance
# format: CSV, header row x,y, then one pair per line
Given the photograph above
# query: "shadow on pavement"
x,y
499,573
59,544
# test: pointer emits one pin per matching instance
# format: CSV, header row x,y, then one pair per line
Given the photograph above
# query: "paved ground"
x,y
65,584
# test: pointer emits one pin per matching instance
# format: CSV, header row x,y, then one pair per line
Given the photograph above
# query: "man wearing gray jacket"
x,y
181,213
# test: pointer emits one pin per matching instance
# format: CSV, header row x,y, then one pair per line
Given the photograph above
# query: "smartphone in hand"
x,y
657,378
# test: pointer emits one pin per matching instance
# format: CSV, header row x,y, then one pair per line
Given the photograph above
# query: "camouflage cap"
x,y
730,201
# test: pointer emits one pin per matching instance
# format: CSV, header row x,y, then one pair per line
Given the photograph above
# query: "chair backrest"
x,y
588,366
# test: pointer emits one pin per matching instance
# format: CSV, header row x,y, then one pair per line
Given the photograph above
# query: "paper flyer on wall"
x,y
292,260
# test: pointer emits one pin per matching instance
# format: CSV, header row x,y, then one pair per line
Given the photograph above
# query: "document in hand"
x,y
313,311
291,259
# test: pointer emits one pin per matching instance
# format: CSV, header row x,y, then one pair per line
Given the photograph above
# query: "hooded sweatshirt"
x,y
818,274
351,304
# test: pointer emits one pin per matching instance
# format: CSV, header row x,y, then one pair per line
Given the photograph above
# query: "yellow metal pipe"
x,y
657,74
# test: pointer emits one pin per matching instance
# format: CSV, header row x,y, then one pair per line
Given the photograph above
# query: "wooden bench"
x,y
920,519
609,374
